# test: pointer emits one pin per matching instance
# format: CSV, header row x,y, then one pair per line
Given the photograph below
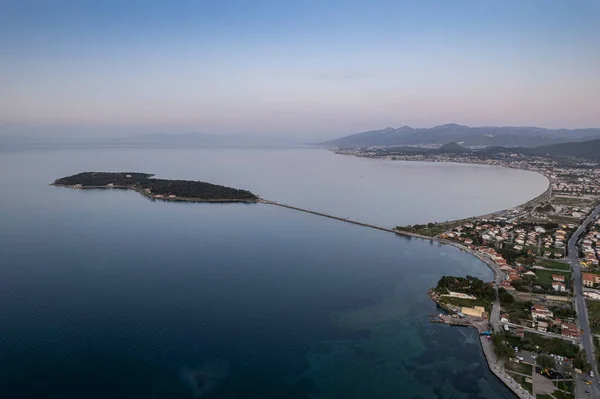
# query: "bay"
x,y
107,294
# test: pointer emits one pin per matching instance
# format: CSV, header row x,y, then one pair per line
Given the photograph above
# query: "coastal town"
x,y
540,330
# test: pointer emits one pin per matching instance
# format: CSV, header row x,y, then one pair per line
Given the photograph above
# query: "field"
x,y
550,264
545,276
572,201
594,315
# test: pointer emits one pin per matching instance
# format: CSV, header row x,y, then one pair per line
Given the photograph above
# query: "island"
x,y
157,189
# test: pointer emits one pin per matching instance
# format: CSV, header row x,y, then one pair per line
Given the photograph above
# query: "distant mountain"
x,y
463,135
589,149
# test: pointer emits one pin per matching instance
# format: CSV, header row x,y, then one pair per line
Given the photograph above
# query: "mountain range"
x,y
589,150
466,136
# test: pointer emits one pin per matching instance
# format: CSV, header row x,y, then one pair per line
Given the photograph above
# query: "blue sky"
x,y
299,67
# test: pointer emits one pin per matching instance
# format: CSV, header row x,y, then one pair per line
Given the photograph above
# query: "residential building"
x,y
590,279
570,330
560,287
540,312
542,326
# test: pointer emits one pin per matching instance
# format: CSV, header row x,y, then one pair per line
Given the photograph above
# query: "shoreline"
x,y
540,197
153,198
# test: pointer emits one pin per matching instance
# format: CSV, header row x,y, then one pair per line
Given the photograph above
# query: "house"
x,y
560,287
542,326
540,312
591,295
504,318
558,277
468,241
570,330
520,332
589,279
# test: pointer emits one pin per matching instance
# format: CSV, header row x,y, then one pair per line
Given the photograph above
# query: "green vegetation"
x,y
537,343
501,348
550,264
545,361
182,189
571,201
545,276
485,293
581,363
513,256
486,303
594,315
562,395
565,385
519,367
430,229
540,396
467,285
517,311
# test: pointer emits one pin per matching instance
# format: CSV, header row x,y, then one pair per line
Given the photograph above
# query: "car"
x,y
592,374
589,382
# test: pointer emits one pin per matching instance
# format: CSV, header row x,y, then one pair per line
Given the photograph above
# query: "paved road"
x,y
545,334
586,338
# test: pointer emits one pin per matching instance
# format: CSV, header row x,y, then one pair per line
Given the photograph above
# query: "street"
x,y
586,337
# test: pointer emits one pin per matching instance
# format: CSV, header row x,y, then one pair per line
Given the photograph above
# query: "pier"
x,y
347,220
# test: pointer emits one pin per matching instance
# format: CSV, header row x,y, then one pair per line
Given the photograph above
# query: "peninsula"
x,y
160,189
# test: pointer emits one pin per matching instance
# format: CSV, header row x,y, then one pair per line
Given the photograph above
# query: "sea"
x,y
107,294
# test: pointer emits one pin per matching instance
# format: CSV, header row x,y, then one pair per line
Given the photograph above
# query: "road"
x,y
587,337
544,333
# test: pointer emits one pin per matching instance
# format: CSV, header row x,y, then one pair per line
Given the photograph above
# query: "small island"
x,y
158,189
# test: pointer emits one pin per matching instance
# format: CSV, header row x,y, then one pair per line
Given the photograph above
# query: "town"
x,y
532,333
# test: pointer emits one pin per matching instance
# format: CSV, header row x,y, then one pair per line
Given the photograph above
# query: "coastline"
x,y
541,197
153,198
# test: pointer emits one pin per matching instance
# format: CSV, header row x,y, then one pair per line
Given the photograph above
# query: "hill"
x,y
588,150
464,135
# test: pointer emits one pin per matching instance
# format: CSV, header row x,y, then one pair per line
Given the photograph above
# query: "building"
x,y
504,318
542,326
570,330
559,287
475,311
460,295
558,277
540,312
591,295
589,279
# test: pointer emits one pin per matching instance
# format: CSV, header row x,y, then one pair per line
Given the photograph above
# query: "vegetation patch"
x,y
594,315
545,276
520,367
550,264
157,188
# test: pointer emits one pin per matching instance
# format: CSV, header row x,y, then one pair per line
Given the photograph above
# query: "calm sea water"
x,y
105,294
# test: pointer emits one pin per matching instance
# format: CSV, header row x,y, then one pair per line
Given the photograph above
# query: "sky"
x,y
297,67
